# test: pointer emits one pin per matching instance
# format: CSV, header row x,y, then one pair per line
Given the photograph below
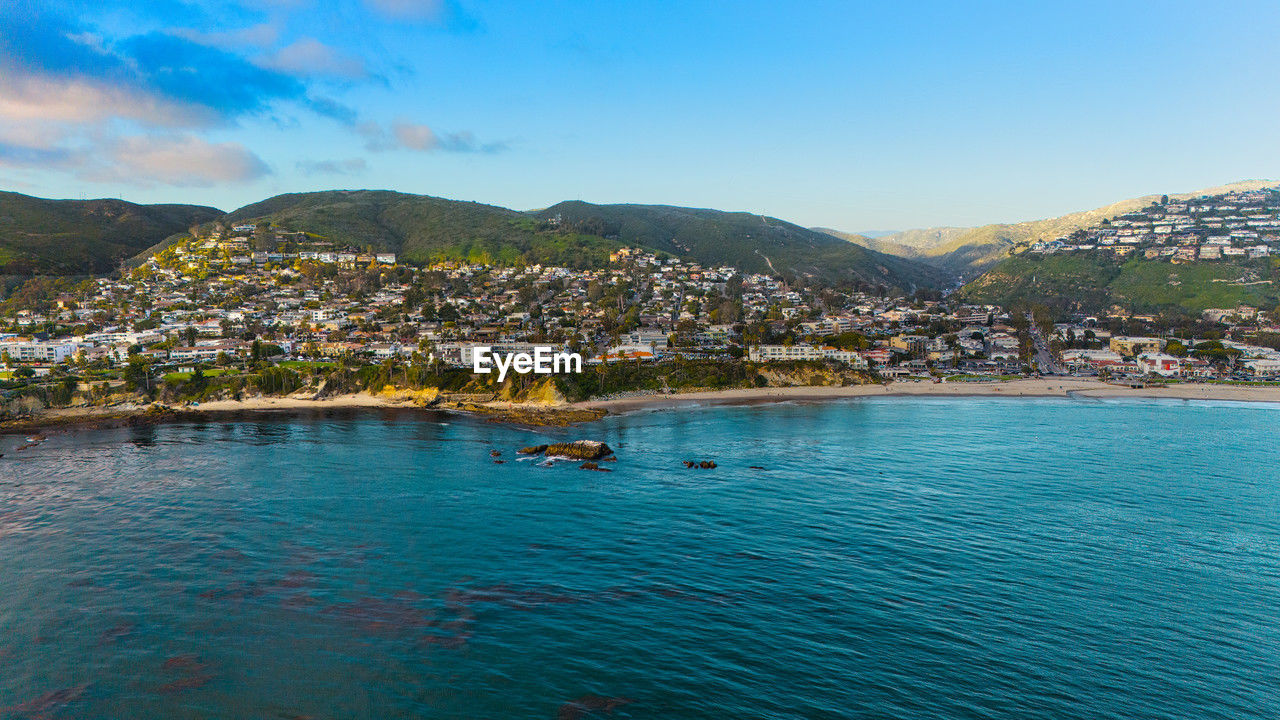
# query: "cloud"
x,y
350,166
130,106
19,155
261,35
182,161
42,49
78,101
408,9
310,57
404,135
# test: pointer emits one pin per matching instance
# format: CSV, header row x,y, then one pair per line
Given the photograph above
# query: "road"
x,y
1044,359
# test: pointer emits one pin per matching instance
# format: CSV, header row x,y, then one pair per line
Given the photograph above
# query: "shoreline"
x,y
537,415
1049,387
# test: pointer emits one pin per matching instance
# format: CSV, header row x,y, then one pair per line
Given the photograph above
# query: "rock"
x,y
499,462
611,458
532,450
579,450
688,463
588,466
755,467
495,453
707,465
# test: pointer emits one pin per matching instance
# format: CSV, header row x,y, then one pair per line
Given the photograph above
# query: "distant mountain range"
x,y
968,252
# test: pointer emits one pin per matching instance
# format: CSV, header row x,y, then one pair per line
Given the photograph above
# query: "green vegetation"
x,y
76,237
305,364
181,377
1093,282
754,243
421,229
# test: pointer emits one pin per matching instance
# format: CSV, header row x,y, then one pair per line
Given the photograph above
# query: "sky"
x,y
844,114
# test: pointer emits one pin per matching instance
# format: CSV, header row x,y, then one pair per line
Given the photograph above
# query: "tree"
x,y
137,374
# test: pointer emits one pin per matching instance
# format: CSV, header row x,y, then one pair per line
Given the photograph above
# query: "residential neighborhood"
x,y
1238,225
249,303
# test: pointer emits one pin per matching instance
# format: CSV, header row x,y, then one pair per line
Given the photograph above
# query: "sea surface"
x,y
886,558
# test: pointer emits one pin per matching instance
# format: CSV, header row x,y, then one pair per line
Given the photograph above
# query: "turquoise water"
x,y
895,558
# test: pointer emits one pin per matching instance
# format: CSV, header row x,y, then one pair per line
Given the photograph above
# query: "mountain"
x,y
969,251
78,237
754,243
914,244
422,228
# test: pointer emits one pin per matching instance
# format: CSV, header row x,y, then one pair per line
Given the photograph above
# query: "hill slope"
x,y
914,244
421,228
1092,284
970,251
75,237
754,243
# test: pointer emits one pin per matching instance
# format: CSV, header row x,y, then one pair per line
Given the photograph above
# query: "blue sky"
x,y
846,114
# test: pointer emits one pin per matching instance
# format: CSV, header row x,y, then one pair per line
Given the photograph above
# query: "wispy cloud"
x,y
263,35
182,160
350,166
310,57
405,135
432,10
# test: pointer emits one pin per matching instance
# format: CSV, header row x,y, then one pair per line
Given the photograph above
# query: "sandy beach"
x,y
289,404
536,414
1049,387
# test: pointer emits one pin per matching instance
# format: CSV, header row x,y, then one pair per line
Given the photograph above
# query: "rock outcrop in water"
x,y
576,450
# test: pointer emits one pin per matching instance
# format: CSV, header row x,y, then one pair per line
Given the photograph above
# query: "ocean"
x,y
870,558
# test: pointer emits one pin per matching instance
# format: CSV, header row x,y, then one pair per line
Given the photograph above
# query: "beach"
x,y
1045,387
537,414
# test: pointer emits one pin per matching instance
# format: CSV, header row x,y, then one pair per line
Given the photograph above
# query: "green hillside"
x,y
76,237
754,243
420,228
1093,283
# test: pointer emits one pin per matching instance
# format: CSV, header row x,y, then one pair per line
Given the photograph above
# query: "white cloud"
x,y
179,160
413,136
36,99
313,58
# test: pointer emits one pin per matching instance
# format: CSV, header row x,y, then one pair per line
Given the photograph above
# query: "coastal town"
x,y
230,311
1237,225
